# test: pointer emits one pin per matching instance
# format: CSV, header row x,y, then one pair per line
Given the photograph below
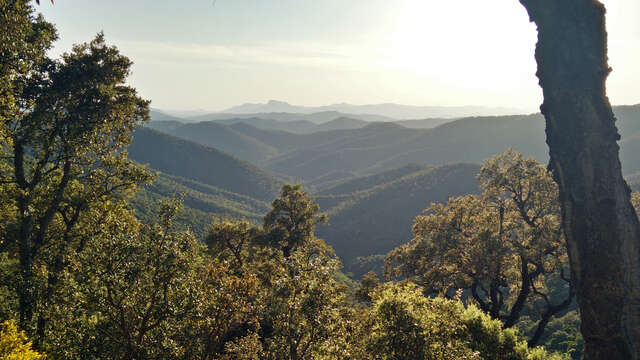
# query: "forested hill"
x,y
358,148
161,116
226,139
368,215
204,164
367,182
377,148
373,180
377,219
201,203
295,127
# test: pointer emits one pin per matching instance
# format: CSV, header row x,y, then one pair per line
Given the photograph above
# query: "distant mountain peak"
x,y
277,102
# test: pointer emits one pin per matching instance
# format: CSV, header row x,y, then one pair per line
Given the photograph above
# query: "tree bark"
x,y
599,222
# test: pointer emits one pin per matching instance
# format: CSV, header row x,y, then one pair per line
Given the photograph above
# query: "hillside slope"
x,y
225,138
210,166
296,127
379,147
367,182
376,220
201,203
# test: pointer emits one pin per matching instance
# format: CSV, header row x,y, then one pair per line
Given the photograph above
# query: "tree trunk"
x,y
601,226
25,218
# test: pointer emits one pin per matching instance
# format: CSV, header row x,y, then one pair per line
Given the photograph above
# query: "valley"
x,y
371,177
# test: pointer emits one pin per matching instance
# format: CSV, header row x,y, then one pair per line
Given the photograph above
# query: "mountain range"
x,y
316,117
372,178
394,111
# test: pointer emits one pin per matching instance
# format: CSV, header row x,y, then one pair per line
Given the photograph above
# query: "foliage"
x,y
9,270
14,344
304,307
407,325
502,246
67,122
226,317
368,283
302,304
151,291
562,336
364,264
135,286
292,220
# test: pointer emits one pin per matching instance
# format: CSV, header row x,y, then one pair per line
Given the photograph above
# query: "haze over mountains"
x,y
394,111
285,112
316,117
372,177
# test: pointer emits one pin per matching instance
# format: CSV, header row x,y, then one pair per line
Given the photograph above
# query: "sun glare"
x,y
464,41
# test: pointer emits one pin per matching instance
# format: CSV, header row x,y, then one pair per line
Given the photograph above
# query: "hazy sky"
x,y
192,54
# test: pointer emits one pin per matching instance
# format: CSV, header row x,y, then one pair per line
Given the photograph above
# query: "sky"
x,y
211,55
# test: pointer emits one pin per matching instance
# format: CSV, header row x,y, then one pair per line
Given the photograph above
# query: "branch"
x,y
18,165
45,221
525,290
551,311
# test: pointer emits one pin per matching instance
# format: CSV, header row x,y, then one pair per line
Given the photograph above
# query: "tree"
x,y
304,303
502,246
302,306
230,240
133,291
64,126
226,320
292,219
601,227
227,323
368,283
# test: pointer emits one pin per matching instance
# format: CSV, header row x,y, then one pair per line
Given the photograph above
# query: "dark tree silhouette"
x,y
601,226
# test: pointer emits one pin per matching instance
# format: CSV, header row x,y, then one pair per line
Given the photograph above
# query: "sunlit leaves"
x,y
501,246
14,344
299,307
292,219
404,324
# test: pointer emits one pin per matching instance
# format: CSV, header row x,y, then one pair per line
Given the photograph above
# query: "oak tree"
x,y
64,126
501,246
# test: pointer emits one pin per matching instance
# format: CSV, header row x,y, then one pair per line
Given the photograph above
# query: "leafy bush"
x,y
404,324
